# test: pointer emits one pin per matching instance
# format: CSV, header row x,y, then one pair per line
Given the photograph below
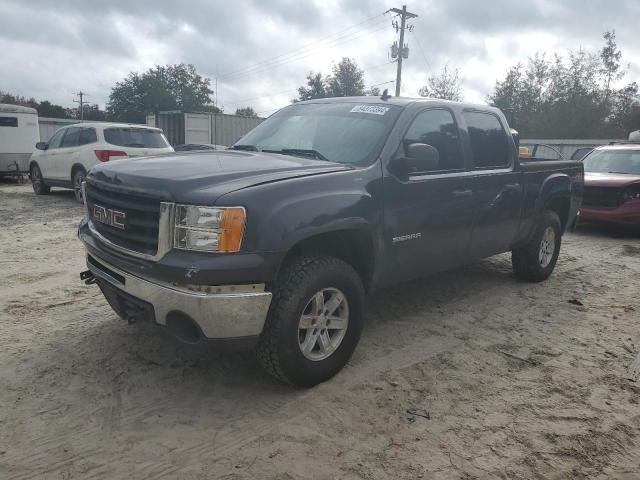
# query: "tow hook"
x,y
88,277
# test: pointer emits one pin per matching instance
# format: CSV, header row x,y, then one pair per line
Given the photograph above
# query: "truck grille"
x,y
602,197
140,231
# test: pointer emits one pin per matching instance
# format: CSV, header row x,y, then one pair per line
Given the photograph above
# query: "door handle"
x,y
462,192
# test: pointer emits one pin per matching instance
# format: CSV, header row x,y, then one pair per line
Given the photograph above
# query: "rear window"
x,y
135,137
488,140
8,121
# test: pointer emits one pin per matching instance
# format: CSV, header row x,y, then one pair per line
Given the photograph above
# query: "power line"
x,y
422,52
304,47
271,94
332,43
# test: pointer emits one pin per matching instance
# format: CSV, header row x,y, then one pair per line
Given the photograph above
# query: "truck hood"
x,y
592,179
204,176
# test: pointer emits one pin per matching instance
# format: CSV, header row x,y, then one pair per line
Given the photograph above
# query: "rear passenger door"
x,y
428,214
497,183
86,155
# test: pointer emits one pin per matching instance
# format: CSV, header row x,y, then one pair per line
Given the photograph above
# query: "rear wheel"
x,y
37,182
314,322
535,261
78,178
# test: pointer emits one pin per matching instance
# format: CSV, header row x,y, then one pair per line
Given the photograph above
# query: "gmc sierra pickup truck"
x,y
273,243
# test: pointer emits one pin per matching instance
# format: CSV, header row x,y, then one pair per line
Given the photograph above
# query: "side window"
x,y
88,135
56,140
438,129
72,138
488,139
8,121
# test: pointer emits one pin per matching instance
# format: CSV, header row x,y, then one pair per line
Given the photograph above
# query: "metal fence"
x,y
218,128
48,126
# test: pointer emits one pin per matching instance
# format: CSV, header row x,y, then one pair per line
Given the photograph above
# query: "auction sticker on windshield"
x,y
374,109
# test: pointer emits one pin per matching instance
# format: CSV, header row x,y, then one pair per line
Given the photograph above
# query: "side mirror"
x,y
420,157
41,145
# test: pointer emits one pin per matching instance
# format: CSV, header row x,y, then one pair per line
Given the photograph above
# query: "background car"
x,y
612,185
189,147
66,158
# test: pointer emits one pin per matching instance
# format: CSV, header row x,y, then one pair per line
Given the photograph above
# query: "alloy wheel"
x,y
323,324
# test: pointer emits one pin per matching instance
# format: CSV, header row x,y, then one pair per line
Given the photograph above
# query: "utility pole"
x,y
81,94
401,50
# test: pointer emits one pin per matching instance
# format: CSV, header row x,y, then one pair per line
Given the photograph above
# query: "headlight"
x,y
209,229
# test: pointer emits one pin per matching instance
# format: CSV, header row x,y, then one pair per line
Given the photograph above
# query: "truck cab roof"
x,y
401,102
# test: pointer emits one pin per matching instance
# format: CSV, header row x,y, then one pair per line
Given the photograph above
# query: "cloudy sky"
x,y
261,50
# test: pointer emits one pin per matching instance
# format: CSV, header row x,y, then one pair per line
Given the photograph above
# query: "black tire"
x,y
279,350
528,262
78,177
37,182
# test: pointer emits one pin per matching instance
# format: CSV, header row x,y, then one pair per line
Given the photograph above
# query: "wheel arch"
x,y
555,195
354,246
75,167
561,205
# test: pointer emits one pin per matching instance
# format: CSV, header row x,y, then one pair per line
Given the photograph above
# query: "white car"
x,y
65,160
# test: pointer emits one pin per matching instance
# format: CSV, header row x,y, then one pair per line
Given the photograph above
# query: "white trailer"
x,y
19,134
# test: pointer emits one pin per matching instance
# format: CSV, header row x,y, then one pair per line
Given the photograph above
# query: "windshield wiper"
x,y
624,173
250,148
300,152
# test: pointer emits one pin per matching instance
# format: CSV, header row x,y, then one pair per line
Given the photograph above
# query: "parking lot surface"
x,y
467,374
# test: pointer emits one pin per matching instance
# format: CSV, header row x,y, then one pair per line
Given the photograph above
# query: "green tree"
x,y
9,98
315,88
168,87
610,56
570,96
447,85
347,79
246,112
93,112
48,109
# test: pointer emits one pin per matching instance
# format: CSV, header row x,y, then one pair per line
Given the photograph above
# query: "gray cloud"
x,y
52,49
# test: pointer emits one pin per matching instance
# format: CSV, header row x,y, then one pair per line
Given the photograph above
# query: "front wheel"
x,y
314,322
37,182
535,261
78,178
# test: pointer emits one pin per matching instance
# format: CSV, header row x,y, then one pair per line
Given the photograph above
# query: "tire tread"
x,y
291,276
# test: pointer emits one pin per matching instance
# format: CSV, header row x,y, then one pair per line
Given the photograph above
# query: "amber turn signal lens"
x,y
231,229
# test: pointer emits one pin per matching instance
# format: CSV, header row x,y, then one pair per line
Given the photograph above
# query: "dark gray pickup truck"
x,y
273,244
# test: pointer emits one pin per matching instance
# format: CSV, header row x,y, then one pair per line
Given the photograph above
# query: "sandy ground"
x,y
517,382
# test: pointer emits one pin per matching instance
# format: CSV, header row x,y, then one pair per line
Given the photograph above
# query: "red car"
x,y
612,185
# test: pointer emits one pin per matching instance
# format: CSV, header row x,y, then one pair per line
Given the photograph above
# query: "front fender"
x,y
281,214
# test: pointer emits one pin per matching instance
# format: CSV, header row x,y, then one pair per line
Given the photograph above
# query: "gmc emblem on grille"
x,y
108,216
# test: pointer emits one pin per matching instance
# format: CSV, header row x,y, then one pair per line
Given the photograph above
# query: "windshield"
x,y
135,137
613,161
338,132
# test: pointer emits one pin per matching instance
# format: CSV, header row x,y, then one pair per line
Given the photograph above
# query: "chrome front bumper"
x,y
220,312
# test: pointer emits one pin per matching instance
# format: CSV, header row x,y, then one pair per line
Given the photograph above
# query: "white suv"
x,y
65,160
